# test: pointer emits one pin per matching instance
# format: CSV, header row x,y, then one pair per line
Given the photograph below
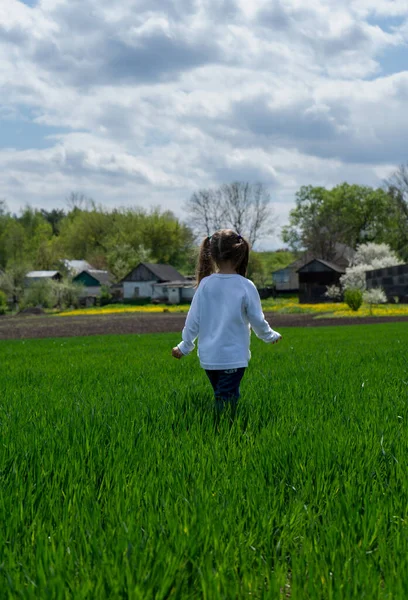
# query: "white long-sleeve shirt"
x,y
223,310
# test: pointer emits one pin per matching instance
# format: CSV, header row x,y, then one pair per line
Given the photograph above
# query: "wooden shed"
x,y
286,279
314,278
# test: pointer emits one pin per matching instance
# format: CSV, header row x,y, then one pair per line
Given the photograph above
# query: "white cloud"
x,y
153,101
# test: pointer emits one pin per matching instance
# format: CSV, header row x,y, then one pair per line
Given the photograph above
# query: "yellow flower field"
x,y
279,306
112,310
336,309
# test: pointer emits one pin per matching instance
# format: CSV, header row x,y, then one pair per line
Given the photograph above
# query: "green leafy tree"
x,y
12,281
167,239
256,271
83,234
3,303
397,186
121,259
347,215
54,217
5,218
15,241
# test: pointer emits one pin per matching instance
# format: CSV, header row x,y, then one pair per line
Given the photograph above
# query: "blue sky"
x,y
144,103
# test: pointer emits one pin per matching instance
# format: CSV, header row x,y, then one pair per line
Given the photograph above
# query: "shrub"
x,y
353,298
66,293
3,303
106,296
40,293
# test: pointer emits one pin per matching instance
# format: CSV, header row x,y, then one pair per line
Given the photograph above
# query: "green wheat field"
x,y
117,482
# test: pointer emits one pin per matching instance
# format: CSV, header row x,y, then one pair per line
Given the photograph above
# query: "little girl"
x,y
224,308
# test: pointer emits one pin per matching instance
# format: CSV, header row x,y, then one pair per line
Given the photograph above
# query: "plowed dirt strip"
x,y
51,326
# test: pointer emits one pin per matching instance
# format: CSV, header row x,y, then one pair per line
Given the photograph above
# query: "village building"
x,y
393,280
287,279
158,282
92,280
314,279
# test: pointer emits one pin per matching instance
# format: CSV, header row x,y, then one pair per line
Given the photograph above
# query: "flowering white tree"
x,y
375,296
376,256
367,257
334,292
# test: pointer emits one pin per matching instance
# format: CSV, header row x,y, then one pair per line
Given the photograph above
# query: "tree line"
x,y
322,221
115,240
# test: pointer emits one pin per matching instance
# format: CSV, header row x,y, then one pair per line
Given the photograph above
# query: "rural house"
x,y
393,280
287,278
314,278
158,282
92,280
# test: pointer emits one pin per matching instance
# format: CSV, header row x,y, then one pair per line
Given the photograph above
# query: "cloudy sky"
x,y
142,102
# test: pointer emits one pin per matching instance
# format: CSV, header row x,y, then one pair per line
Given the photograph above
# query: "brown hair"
x,y
224,244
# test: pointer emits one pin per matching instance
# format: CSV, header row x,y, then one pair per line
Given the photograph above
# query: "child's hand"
x,y
276,338
177,353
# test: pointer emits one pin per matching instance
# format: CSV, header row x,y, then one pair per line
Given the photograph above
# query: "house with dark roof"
x,y
287,278
92,280
314,278
158,282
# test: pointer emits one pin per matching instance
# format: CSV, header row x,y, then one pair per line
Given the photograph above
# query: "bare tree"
x,y
3,208
242,206
205,211
77,200
398,183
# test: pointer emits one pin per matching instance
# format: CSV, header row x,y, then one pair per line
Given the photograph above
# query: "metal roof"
x,y
104,277
38,274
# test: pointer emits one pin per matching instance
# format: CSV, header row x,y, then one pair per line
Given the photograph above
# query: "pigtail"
x,y
242,264
205,264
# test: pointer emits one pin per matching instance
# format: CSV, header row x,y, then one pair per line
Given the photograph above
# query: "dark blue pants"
x,y
226,386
